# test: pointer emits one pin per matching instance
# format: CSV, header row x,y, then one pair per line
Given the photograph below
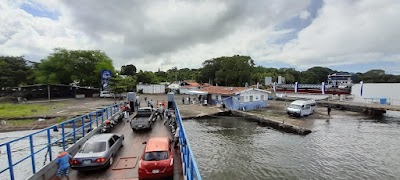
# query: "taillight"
x,y
107,121
99,160
75,162
171,162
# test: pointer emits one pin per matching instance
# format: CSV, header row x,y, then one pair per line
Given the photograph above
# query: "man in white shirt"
x,y
176,137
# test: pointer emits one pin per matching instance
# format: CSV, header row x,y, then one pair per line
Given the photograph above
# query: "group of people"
x,y
64,158
187,100
158,104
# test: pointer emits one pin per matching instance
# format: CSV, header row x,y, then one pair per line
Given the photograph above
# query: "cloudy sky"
x,y
349,35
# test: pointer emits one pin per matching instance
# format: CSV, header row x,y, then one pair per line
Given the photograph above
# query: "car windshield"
x,y
94,147
156,156
295,106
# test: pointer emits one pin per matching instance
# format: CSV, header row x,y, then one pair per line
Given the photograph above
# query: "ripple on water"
x,y
347,147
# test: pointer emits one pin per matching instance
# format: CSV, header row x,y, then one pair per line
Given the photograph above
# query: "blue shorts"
x,y
62,172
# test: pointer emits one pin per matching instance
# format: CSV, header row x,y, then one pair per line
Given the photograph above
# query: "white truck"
x,y
301,108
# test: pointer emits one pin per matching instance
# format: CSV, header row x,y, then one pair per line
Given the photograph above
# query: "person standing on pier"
x,y
63,164
329,110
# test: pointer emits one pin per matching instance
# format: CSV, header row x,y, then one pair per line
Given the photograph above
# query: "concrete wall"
x,y
233,103
257,96
50,170
151,88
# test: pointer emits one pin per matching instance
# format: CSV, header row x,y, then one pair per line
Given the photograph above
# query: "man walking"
x,y
63,164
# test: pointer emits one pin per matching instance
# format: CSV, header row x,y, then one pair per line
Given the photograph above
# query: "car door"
x,y
111,144
118,142
307,110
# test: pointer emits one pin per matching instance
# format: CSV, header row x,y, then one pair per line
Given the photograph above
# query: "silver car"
x,y
97,152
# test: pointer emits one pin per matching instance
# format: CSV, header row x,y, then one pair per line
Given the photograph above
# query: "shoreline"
x,y
273,116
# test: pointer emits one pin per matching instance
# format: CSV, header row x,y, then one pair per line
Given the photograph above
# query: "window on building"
x,y
251,98
242,98
262,98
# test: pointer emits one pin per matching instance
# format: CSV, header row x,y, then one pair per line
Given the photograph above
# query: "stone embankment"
x,y
279,125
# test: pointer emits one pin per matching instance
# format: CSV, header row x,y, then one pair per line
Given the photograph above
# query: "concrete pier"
x,y
279,125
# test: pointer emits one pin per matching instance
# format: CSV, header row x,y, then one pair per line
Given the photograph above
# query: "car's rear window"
x,y
156,155
144,110
94,147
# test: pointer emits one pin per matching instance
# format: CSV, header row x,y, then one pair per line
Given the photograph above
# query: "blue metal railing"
x,y
99,114
190,169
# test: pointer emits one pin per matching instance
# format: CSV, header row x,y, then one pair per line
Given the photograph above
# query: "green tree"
x,y
128,70
14,72
130,83
147,77
67,66
117,85
227,71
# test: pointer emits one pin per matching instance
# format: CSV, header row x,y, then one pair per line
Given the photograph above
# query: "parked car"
x,y
301,108
106,94
157,160
143,119
97,152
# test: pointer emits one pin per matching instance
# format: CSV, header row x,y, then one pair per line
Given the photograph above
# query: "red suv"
x,y
157,160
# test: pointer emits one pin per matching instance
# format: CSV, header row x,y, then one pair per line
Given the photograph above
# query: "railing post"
x,y
107,112
10,164
97,118
90,118
49,143
32,154
63,135
83,126
74,129
102,116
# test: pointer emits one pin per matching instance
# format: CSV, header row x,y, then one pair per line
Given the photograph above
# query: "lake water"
x,y
346,147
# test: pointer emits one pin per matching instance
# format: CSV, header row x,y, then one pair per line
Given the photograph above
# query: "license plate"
x,y
155,171
140,125
87,162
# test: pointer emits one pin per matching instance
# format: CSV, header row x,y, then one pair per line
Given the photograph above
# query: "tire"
x,y
111,161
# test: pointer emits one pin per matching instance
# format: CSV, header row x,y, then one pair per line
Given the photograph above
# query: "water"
x,y
346,147
20,150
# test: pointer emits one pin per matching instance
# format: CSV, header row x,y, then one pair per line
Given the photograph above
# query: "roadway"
x,y
130,153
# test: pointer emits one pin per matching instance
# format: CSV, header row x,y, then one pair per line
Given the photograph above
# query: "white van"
x,y
106,94
301,108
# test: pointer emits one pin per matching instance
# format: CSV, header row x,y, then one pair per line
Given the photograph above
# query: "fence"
x,y
190,169
78,127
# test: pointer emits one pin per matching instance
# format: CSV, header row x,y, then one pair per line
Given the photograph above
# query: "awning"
x,y
192,92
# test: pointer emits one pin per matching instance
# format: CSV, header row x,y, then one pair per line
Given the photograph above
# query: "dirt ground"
x,y
68,108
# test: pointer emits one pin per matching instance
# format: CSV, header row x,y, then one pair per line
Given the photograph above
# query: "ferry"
x,y
337,83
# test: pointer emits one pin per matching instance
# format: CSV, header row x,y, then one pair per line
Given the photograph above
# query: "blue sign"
x,y
105,79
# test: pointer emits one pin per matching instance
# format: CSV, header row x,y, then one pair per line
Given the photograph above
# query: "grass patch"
x,y
60,120
24,122
10,110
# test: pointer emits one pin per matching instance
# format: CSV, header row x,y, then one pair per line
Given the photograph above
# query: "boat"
x,y
337,83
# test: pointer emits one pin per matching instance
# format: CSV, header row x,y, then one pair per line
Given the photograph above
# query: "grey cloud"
x,y
142,36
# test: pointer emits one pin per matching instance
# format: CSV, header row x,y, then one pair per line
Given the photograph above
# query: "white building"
x,y
151,88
